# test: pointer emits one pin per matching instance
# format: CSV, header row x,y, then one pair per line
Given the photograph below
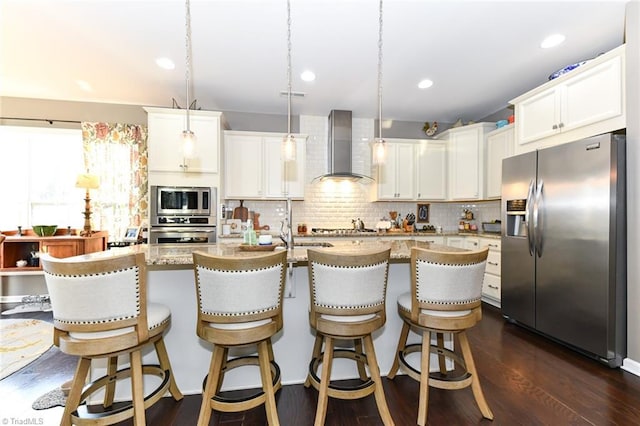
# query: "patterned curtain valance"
x,y
117,153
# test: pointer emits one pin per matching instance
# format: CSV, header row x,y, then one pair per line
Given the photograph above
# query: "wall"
x,y
44,109
632,363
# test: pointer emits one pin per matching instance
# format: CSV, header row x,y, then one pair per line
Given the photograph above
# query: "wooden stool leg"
x,y
441,358
73,400
215,371
317,350
381,401
362,372
475,380
270,347
267,383
137,388
402,342
222,369
323,396
163,357
110,388
425,357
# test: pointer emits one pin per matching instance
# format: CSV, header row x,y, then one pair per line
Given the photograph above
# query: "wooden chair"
x,y
444,298
240,304
348,293
100,310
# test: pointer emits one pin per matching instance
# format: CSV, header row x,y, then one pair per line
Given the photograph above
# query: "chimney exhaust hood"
x,y
340,148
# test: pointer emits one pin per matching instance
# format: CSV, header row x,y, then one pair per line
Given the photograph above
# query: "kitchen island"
x,y
171,282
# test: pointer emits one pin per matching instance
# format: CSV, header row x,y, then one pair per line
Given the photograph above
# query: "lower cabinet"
x,y
432,239
491,285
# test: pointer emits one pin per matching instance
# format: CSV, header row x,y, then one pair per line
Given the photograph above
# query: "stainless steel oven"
x,y
181,215
182,235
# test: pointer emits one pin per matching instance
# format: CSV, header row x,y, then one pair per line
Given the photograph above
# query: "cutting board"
x,y
241,212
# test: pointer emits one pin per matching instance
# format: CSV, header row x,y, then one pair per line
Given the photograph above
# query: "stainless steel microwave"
x,y
180,200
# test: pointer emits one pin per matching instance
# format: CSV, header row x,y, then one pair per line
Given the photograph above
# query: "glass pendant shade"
x,y
379,151
188,143
289,148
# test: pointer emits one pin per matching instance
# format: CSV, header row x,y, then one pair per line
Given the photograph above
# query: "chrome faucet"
x,y
286,232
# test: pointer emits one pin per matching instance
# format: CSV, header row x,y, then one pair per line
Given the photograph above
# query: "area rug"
x,y
54,398
21,342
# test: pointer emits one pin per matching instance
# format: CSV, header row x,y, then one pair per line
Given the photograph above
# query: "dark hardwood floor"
x,y
527,380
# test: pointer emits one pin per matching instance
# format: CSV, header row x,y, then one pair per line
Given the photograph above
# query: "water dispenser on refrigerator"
x,y
516,218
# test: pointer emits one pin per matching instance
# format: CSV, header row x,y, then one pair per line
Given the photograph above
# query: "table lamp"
x,y
87,181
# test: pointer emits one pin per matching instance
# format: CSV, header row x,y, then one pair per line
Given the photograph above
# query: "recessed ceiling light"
x,y
425,84
307,76
552,41
84,85
165,63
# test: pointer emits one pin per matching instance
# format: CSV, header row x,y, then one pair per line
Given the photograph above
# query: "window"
x,y
37,177
40,166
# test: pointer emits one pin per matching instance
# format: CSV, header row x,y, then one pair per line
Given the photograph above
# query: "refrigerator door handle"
x,y
527,218
538,218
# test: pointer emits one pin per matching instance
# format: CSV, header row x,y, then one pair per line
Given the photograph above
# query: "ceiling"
x,y
479,54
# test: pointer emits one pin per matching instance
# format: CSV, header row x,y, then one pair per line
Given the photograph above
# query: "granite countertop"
x,y
385,235
178,256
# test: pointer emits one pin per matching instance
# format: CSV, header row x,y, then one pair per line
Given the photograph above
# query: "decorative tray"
x,y
247,247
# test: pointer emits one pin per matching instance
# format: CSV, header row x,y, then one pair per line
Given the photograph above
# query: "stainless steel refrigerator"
x,y
564,244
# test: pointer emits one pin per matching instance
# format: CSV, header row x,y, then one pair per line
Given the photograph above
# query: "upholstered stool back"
x,y
99,299
239,293
349,286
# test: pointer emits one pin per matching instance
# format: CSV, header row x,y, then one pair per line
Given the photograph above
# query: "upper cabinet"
x,y
431,170
499,146
165,130
584,102
466,160
254,168
396,175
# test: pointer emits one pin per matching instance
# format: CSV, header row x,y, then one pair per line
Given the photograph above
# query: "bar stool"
x,y
444,298
240,304
348,293
100,310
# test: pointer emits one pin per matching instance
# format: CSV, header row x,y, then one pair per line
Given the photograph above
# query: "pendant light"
x,y
379,145
289,141
188,137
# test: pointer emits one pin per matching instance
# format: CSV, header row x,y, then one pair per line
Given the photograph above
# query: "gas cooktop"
x,y
339,231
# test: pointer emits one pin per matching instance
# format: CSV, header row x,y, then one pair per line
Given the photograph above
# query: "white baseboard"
x,y
631,366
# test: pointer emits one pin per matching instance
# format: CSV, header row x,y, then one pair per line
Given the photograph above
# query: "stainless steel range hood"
x,y
340,148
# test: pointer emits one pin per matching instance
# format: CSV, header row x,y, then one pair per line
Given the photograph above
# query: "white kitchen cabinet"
x,y
471,243
165,137
396,175
254,168
499,146
584,102
431,170
433,239
466,160
455,241
491,285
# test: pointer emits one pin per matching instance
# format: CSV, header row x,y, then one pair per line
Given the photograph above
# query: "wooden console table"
x,y
16,247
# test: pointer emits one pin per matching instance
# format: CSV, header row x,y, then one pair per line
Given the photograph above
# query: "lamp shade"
x,y
87,181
